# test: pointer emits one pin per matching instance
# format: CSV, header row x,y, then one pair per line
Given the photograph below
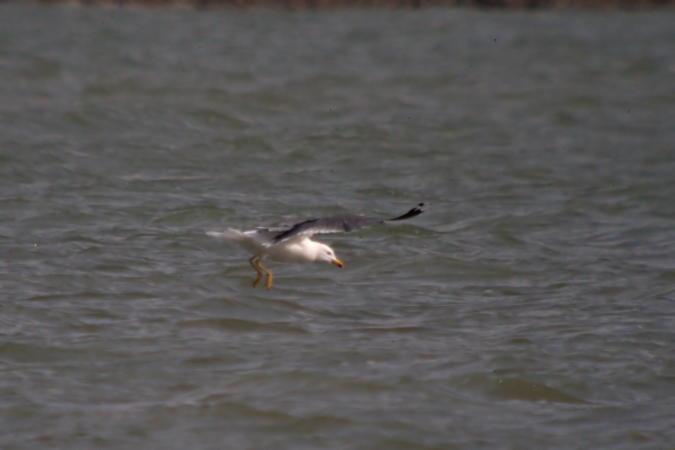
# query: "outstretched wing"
x,y
340,223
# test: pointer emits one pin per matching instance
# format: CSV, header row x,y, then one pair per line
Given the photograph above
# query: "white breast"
x,y
300,250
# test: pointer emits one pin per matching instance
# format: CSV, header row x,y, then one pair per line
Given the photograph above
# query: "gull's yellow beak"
x,y
337,262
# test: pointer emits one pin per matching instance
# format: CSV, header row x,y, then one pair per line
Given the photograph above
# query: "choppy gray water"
x,y
531,306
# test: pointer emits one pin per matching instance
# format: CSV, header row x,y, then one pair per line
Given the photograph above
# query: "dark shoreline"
x,y
413,4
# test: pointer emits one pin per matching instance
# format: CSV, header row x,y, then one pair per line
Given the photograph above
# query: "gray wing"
x,y
277,227
340,223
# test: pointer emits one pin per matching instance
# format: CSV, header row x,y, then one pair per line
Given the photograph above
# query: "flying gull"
x,y
286,242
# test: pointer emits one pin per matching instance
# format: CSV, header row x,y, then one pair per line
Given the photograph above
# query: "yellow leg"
x,y
257,280
268,281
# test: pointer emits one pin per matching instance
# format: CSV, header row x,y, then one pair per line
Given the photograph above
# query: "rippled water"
x,y
531,306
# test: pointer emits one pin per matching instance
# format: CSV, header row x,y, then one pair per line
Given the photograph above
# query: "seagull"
x,y
284,242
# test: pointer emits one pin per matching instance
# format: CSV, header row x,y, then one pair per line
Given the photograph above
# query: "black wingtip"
x,y
416,211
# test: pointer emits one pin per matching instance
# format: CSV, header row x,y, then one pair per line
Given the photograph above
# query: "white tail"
x,y
240,238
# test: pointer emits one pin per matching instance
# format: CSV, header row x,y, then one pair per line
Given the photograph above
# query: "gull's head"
x,y
326,254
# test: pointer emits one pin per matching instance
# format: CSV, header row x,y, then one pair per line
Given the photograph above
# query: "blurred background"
x,y
530,306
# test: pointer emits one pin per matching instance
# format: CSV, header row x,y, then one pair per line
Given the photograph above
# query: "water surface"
x,y
531,306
